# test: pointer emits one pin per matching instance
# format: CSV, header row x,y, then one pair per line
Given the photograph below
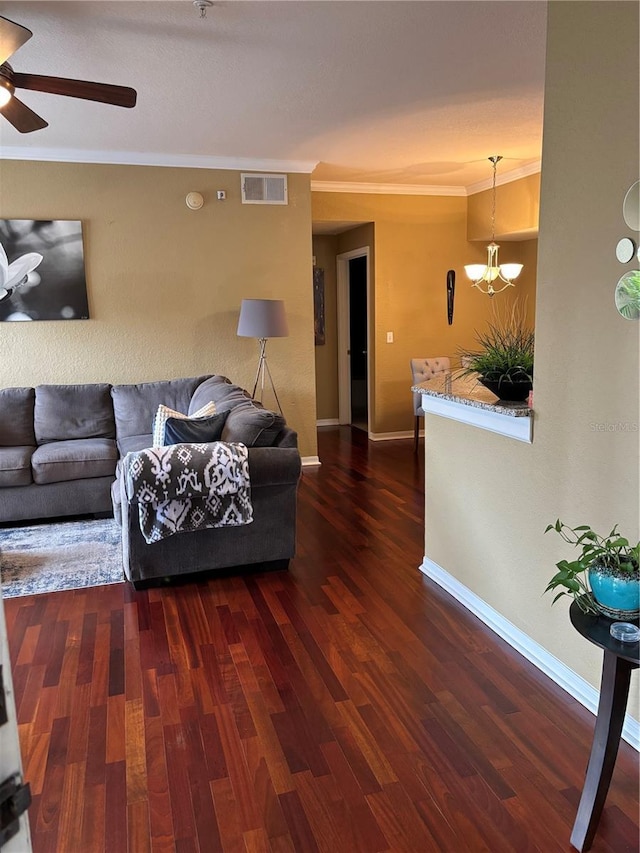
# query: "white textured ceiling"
x,y
414,93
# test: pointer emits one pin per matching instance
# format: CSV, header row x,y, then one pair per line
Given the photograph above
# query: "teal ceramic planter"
x,y
616,597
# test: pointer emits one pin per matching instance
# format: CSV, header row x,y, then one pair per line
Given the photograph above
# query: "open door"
x,y
353,338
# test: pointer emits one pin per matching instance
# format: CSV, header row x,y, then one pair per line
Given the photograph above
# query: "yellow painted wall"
x,y
359,238
416,240
489,498
326,355
517,209
524,252
165,283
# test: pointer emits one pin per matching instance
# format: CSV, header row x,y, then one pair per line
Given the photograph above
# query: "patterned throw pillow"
x,y
165,412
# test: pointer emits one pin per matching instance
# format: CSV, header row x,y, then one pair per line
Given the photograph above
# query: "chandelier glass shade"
x,y
483,276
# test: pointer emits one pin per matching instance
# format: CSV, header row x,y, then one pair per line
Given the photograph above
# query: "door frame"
x,y
344,367
10,755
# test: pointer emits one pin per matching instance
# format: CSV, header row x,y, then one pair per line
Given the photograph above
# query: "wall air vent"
x,y
263,189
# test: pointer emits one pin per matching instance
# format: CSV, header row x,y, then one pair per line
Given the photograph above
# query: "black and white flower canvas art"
x,y
42,270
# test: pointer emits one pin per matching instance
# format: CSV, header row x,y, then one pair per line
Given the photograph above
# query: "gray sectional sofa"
x,y
58,451
61,445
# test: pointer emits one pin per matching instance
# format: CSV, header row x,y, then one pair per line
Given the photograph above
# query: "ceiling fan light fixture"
x,y
21,116
6,91
493,270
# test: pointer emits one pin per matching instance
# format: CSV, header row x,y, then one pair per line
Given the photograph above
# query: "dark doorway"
x,y
358,342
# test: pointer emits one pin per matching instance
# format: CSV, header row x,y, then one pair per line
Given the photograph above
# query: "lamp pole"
x,y
263,366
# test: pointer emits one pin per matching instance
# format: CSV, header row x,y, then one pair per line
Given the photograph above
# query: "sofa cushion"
x,y
252,426
80,459
16,417
135,405
164,413
219,390
133,443
194,430
66,412
15,465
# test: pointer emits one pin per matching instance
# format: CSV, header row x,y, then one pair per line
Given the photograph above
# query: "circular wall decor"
x,y
631,207
627,295
625,250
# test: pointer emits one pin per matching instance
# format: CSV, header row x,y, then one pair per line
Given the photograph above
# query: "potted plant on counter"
x,y
503,359
605,578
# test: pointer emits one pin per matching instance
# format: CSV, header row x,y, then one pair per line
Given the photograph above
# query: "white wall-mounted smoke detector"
x,y
194,201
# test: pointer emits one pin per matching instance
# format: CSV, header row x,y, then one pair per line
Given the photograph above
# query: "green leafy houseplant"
x,y
613,553
504,355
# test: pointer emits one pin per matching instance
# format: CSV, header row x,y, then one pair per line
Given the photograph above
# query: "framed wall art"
x,y
318,305
42,273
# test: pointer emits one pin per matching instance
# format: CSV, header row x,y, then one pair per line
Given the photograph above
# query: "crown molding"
x,y
425,189
384,189
135,158
240,164
506,177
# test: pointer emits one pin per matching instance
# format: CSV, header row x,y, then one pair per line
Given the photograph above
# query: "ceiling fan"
x,y
12,37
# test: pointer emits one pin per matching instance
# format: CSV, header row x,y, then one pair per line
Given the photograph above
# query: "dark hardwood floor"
x,y
346,705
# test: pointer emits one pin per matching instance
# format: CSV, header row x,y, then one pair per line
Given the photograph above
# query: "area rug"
x,y
61,555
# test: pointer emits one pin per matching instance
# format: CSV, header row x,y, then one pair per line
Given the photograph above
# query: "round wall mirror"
x,y
627,295
625,250
631,207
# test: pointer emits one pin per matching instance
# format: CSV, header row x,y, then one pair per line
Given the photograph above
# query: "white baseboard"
x,y
373,436
391,436
563,676
309,461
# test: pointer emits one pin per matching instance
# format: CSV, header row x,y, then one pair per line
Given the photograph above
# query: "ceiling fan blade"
x,y
119,96
21,117
12,36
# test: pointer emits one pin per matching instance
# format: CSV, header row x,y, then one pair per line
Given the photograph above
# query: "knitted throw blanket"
x,y
186,487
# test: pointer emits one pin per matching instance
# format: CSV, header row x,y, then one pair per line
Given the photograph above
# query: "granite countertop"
x,y
469,392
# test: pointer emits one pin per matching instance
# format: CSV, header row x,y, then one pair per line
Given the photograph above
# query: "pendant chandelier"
x,y
483,276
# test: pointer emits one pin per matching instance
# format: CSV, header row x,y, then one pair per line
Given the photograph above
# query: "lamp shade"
x,y
262,318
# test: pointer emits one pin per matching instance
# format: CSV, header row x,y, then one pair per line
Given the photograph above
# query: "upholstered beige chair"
x,y
422,370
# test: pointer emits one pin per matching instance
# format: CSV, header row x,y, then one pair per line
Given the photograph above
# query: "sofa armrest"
x,y
274,466
287,437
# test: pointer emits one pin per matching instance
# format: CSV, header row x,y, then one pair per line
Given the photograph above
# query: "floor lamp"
x,y
263,319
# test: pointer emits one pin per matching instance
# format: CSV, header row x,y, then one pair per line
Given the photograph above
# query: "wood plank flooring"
x,y
346,705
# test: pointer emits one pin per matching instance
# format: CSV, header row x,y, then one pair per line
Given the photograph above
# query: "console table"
x,y
619,660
